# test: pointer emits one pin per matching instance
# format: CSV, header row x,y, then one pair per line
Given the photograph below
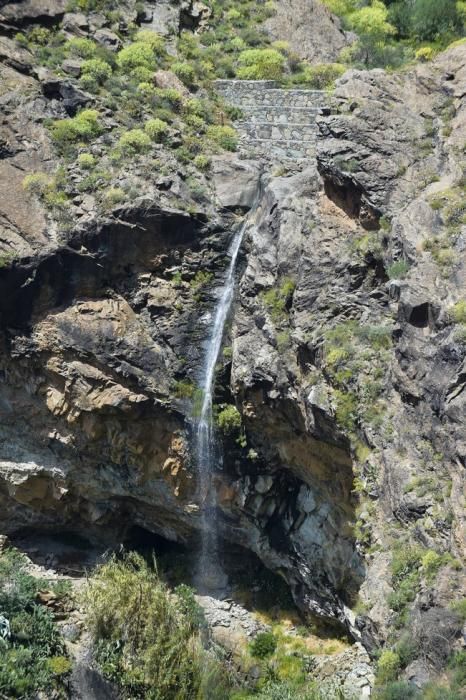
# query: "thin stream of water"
x,y
210,575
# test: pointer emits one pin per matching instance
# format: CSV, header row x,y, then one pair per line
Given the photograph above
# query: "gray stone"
x,y
71,66
417,673
236,182
108,39
76,23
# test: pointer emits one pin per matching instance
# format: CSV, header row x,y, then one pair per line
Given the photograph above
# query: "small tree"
x,y
261,64
134,141
137,54
97,69
372,25
432,18
156,129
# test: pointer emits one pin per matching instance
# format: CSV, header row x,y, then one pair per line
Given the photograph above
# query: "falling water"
x,y
210,576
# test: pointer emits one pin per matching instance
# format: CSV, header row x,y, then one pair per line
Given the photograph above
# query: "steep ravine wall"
x,y
102,324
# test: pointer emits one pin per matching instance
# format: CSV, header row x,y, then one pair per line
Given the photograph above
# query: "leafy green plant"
x,y
260,64
152,39
35,640
138,54
202,162
184,389
277,299
6,258
459,607
398,270
388,666
319,76
458,312
223,136
84,127
146,636
81,47
398,690
134,141
229,420
96,69
114,195
156,129
185,72
263,645
86,161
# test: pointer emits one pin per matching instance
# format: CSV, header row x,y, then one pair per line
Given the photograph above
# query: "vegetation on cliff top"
x,y
392,32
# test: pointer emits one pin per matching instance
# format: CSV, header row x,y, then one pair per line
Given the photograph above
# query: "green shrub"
x,y
459,607
431,18
260,64
171,96
406,559
114,195
458,312
152,39
283,341
39,35
346,409
200,279
425,54
145,639
195,122
388,666
156,129
81,47
97,69
398,270
229,420
185,72
278,299
198,107
59,665
88,83
137,54
223,136
320,76
457,664
189,607
263,645
86,161
47,188
84,127
134,141
183,388
35,639
397,690
6,258
406,573
146,88
36,183
142,74
202,162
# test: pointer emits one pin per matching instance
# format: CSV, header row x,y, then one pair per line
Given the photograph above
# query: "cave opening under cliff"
x,y
250,582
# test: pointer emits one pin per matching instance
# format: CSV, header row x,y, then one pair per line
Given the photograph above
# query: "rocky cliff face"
x,y
345,355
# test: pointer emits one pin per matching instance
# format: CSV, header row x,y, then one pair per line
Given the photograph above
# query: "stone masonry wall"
x,y
277,124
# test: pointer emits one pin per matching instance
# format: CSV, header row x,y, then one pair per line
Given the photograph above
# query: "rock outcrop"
x,y
310,29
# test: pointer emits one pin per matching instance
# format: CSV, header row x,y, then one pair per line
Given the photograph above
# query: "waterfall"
x,y
210,575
